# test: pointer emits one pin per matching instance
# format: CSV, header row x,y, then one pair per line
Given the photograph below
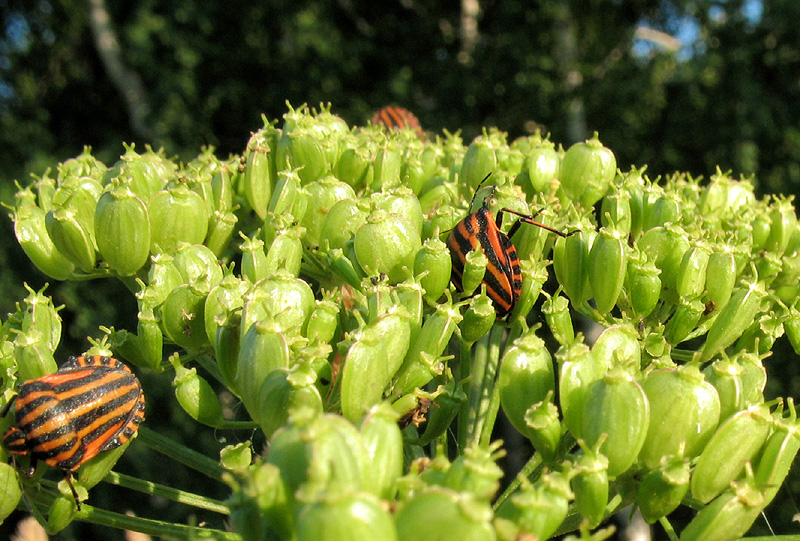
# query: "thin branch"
x,y
126,80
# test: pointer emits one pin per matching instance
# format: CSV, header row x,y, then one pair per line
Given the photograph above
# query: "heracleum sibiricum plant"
x,y
310,277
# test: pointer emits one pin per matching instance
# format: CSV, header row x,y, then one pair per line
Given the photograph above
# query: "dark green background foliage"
x,y
201,73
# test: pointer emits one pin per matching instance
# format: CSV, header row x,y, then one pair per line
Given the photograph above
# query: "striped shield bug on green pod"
x,y
88,406
480,230
392,117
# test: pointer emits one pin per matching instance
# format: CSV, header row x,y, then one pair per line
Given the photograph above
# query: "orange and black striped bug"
x,y
397,118
503,277
90,405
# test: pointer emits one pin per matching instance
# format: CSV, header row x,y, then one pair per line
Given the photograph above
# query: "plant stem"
x,y
181,453
169,493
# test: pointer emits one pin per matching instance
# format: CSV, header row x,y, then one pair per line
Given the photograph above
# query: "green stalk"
x,y
169,493
489,403
148,526
181,453
530,467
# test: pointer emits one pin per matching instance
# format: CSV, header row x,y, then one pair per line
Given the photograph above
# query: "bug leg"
x,y
68,477
528,219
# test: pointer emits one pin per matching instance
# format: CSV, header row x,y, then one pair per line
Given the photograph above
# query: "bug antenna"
x,y
480,185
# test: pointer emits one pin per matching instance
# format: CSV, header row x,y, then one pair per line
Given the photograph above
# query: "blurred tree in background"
x,y
674,84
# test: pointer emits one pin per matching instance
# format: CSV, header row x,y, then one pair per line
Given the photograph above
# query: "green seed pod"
x,y
720,278
263,348
355,167
62,510
534,275
31,232
729,516
346,268
453,516
221,226
83,165
342,222
146,173
181,316
607,264
783,222
254,257
386,167
779,453
590,485
738,314
616,211
400,201
683,321
195,395
71,237
32,356
263,508
286,253
387,244
223,298
423,360
577,370
384,442
692,275
684,413
176,215
544,427
474,270
222,187
301,149
727,378
619,346
150,339
197,263
320,451
540,509
792,327
286,300
587,170
372,361
479,161
260,170
526,376
37,314
479,317
571,263
226,347
644,286
761,229
324,321
10,493
476,472
356,516
616,406
543,165
122,231
433,259
444,409
663,489
664,210
285,390
285,194
665,247
162,278
736,441
323,194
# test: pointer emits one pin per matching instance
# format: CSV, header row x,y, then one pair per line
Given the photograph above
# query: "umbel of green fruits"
x,y
310,279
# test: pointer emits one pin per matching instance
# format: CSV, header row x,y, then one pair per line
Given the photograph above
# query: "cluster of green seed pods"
x,y
310,278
